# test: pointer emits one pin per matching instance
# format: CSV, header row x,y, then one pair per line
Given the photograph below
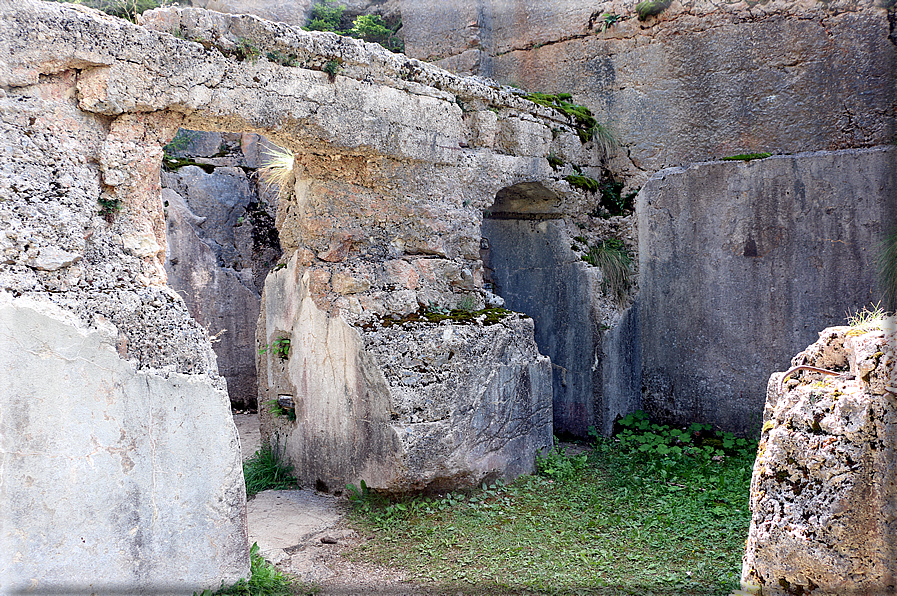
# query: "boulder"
x,y
404,407
824,486
110,471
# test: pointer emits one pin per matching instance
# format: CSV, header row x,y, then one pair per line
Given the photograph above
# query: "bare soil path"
x,y
305,534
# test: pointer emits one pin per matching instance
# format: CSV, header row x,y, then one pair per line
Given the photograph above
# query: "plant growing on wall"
x,y
277,170
109,207
585,124
610,255
650,8
280,347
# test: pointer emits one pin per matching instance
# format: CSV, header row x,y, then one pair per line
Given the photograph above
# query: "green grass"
x,y
264,580
264,471
610,255
655,511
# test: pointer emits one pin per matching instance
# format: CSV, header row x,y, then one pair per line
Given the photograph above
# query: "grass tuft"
x,y
264,580
265,471
657,510
610,255
867,319
277,170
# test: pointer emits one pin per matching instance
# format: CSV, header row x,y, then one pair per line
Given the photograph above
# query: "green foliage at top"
x,y
887,269
265,471
328,17
610,255
613,519
650,8
747,156
125,9
264,580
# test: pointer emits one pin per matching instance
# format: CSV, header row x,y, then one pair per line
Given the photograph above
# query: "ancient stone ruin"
x,y
410,305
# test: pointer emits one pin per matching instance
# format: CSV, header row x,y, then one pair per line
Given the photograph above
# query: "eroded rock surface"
x,y
824,487
403,407
221,244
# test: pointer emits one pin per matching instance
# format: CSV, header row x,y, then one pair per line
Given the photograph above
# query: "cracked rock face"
x,y
701,80
221,245
824,487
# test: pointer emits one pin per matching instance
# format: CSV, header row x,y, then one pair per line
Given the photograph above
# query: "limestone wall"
x,y
729,249
700,81
221,244
115,480
824,483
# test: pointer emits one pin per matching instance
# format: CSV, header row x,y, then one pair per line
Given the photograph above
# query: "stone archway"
x,y
527,257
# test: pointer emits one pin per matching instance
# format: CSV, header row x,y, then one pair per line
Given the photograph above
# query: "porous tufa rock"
x,y
824,487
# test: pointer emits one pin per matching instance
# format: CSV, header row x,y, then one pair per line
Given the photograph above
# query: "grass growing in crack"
x,y
651,512
610,255
265,471
264,580
866,318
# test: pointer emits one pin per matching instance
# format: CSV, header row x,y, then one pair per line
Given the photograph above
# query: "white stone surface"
x,y
112,480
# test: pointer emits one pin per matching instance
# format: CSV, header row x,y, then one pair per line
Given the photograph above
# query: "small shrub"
x,y
278,411
279,347
109,207
650,8
247,50
326,16
331,68
265,471
608,20
611,257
